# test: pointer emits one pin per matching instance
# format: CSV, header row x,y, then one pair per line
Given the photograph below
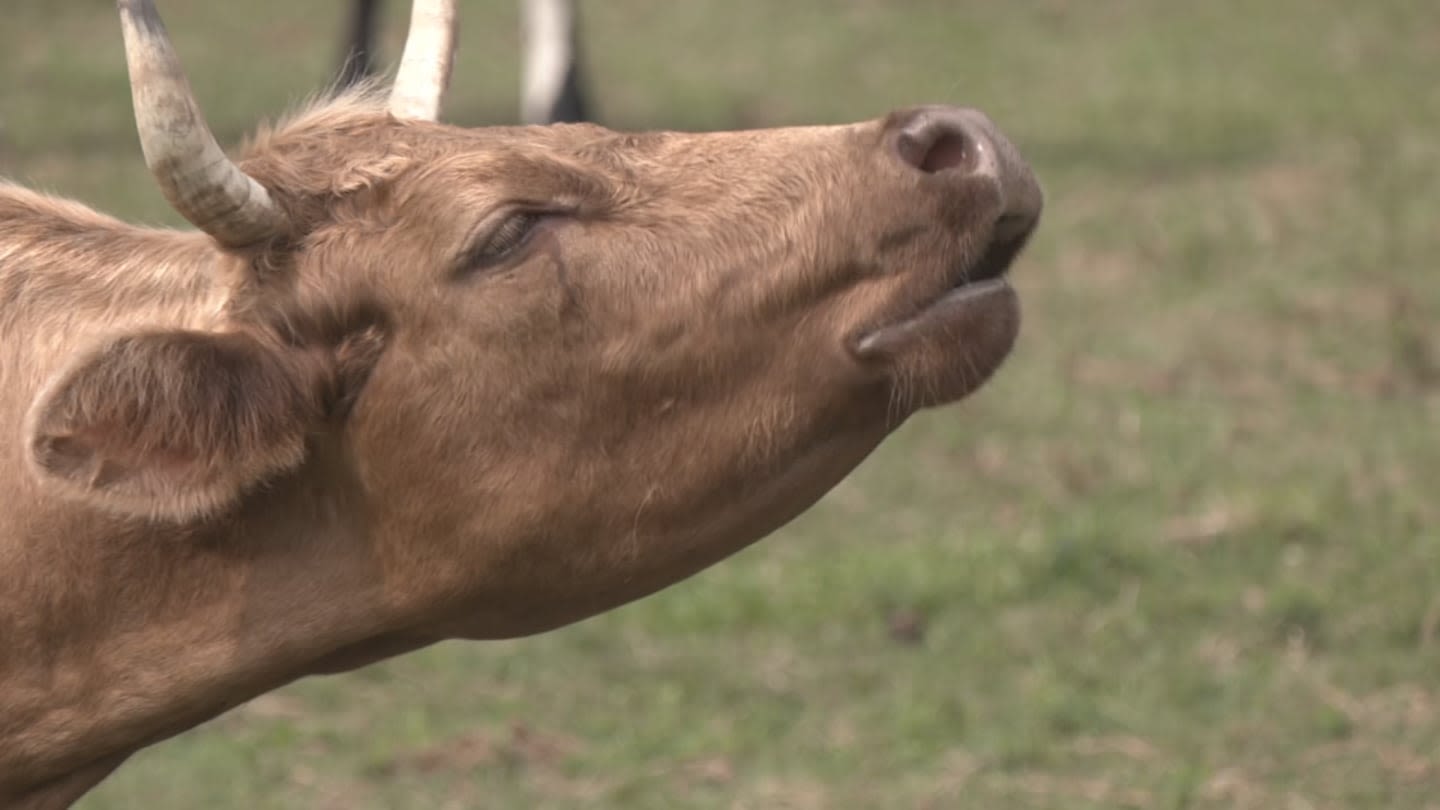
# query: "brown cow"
x,y
413,382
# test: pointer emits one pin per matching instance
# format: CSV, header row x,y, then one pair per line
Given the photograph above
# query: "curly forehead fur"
x,y
329,149
336,147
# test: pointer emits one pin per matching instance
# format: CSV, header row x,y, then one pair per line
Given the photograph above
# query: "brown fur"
x,y
228,470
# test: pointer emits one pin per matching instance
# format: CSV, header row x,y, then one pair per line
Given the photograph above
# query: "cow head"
x,y
562,362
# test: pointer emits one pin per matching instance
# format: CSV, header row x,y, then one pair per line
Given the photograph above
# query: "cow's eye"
x,y
504,240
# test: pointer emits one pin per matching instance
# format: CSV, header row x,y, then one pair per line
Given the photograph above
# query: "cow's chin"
x,y
949,348
793,480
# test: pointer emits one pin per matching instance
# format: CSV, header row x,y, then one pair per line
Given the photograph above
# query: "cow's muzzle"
x,y
960,142
957,320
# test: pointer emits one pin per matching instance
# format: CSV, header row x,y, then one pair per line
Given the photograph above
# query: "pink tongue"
x,y
961,312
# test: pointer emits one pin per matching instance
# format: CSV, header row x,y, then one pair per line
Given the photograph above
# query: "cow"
x,y
408,382
552,89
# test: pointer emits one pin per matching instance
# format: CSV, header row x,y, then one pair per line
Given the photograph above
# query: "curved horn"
x,y
194,174
425,64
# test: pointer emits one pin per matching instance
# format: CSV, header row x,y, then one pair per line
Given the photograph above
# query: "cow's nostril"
x,y
933,142
949,151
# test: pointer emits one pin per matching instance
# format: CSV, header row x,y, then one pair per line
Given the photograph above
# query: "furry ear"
x,y
176,425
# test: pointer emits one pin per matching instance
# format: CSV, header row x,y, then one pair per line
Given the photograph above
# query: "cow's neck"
x,y
65,269
116,632
116,635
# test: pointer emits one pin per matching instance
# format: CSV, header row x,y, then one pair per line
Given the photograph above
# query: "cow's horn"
x,y
425,64
195,175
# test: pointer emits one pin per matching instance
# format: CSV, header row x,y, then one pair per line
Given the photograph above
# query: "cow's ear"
x,y
177,425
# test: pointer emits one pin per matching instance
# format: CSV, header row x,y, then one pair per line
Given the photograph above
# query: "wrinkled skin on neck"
x,y
658,372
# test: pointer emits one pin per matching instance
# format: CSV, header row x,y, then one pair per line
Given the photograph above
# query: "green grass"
x,y
1184,552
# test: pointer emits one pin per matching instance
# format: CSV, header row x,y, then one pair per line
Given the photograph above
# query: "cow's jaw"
x,y
968,328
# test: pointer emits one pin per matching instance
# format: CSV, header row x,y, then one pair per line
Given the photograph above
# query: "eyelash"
x,y
510,236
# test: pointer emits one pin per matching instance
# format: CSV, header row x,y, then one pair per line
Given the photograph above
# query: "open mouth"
x,y
965,301
1011,234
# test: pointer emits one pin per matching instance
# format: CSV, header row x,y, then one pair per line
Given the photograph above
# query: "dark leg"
x,y
358,61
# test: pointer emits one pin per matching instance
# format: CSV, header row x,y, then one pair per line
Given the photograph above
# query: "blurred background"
x,y
1183,552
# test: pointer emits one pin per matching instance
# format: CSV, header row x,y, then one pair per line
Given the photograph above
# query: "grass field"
x,y
1184,552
